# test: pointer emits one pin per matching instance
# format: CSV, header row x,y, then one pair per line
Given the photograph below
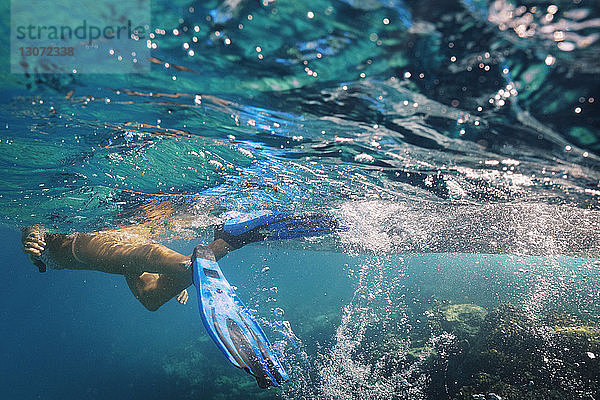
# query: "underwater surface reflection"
x,y
456,142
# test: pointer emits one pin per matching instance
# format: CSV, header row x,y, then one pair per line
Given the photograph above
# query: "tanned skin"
x,y
154,273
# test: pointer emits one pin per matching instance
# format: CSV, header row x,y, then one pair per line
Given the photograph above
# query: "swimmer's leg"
x,y
153,272
154,290
112,252
129,255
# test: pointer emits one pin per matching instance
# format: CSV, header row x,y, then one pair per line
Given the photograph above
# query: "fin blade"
x,y
277,225
231,326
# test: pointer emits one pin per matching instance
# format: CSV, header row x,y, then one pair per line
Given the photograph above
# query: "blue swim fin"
x,y
230,325
243,228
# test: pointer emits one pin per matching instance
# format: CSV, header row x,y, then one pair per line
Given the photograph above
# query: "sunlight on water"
x,y
455,142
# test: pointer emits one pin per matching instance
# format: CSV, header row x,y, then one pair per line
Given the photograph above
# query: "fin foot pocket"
x,y
240,229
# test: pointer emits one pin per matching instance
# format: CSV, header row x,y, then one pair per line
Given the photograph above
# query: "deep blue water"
x,y
456,141
81,334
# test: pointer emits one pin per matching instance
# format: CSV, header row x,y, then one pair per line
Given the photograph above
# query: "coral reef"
x,y
500,354
199,371
505,354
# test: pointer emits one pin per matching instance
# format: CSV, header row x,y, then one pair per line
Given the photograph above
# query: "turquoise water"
x,y
456,141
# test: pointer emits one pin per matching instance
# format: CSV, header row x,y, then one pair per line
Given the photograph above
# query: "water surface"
x,y
457,141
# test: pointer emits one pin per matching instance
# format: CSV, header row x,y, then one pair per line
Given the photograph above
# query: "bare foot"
x,y
183,297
